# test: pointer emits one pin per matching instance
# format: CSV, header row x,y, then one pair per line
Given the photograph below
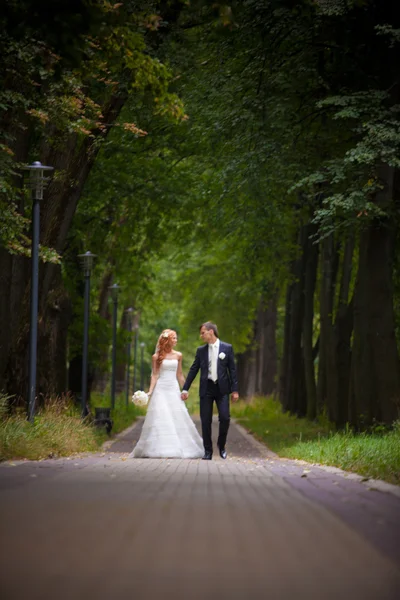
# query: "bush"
x,y
58,429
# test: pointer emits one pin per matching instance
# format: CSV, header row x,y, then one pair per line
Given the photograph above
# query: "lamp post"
x,y
129,312
135,355
87,261
141,365
37,182
114,295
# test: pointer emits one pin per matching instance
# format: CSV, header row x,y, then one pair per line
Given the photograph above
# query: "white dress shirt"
x,y
213,350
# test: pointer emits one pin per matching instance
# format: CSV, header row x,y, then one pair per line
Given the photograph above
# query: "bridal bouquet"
x,y
140,398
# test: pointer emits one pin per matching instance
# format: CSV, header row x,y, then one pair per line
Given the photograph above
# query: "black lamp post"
x,y
87,261
37,182
129,312
135,356
142,365
114,295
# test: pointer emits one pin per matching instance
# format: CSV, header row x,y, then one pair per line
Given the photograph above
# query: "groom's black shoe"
x,y
207,456
222,453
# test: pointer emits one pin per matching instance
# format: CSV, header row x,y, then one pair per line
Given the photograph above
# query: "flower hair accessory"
x,y
165,334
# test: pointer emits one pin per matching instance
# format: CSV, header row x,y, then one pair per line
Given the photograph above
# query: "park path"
x,y
254,526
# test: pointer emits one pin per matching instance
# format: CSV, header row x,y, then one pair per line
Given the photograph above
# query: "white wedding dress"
x,y
168,431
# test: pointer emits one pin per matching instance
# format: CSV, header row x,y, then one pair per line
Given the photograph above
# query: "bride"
x,y
168,431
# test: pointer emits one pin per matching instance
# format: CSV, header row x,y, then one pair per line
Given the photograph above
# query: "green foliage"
x,y
273,138
375,454
59,87
242,124
123,416
372,455
264,418
352,181
57,431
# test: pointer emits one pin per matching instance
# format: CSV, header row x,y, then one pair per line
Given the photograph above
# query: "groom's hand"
x,y
184,396
235,396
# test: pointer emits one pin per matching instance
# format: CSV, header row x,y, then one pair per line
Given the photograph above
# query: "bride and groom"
x,y
168,431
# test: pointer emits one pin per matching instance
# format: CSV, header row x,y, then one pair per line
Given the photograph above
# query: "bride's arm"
x,y
179,374
154,374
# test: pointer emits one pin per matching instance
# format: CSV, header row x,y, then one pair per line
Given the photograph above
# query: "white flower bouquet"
x,y
140,398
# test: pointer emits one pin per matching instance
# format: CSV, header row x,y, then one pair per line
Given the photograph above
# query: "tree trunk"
x,y
343,329
284,363
121,353
375,387
52,342
257,366
327,376
75,160
246,367
101,374
292,381
268,355
311,264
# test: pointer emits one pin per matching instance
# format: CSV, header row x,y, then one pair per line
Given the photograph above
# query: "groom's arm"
x,y
194,369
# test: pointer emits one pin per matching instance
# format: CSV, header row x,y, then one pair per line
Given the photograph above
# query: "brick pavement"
x,y
105,526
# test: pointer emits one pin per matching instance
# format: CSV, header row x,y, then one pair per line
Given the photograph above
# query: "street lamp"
x,y
141,365
135,355
87,261
114,295
129,312
37,182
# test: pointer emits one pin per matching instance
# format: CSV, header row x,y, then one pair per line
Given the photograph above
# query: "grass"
x,y
123,416
375,454
57,429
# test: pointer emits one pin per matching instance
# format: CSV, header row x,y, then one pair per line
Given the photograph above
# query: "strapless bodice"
x,y
168,369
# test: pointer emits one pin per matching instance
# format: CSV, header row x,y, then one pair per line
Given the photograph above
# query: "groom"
x,y
217,380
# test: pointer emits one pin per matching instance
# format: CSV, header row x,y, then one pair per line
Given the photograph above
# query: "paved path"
x,y
254,526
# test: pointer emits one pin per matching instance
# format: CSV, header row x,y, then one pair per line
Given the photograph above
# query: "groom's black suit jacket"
x,y
226,370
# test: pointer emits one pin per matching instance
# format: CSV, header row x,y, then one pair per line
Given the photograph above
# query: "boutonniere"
x,y
221,355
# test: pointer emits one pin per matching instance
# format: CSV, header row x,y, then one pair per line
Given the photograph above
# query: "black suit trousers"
x,y
206,411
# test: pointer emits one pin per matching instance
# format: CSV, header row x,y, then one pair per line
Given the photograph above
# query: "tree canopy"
x,y
237,162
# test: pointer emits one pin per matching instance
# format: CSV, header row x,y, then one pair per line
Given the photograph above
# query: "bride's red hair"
x,y
164,345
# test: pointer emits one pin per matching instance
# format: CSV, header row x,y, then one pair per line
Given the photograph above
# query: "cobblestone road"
x,y
253,526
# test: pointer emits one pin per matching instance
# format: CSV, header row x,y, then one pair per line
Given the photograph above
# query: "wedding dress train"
x,y
168,431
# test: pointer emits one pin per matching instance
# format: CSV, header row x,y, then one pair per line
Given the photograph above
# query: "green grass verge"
x,y
58,430
375,454
123,416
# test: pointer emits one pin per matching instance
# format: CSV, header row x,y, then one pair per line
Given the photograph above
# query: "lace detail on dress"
x,y
168,431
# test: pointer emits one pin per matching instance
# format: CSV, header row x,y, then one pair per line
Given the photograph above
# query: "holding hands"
x,y
184,396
